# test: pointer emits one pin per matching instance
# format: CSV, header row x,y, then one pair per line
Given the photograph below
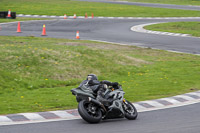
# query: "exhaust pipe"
x,y
97,103
94,101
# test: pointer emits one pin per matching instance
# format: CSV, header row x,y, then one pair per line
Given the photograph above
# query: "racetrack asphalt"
x,y
110,30
174,120
169,6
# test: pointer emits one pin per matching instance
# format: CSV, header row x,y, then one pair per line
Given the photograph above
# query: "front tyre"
x,y
89,112
130,110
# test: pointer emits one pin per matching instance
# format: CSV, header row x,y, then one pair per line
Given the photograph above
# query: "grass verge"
x,y
19,19
37,74
176,2
61,7
192,28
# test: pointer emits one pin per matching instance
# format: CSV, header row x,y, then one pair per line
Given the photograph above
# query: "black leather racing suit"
x,y
99,89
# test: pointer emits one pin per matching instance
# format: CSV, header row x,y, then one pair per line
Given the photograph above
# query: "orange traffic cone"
x,y
9,14
65,16
18,27
74,16
77,35
92,15
44,30
86,15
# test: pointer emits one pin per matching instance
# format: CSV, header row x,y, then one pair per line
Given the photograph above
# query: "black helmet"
x,y
92,77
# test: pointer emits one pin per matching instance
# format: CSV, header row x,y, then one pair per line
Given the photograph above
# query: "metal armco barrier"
x,y
4,14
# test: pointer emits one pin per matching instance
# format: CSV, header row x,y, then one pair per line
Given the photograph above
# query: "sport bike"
x,y
93,111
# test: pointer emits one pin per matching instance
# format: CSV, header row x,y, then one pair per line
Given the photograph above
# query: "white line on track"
x,y
140,28
32,116
141,45
22,15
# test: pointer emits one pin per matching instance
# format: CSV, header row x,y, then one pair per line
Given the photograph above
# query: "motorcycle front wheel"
x,y
130,110
89,112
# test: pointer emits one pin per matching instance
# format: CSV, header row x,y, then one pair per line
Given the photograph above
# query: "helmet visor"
x,y
89,77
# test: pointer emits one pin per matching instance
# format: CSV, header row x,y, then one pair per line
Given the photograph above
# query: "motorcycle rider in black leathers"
x,y
98,87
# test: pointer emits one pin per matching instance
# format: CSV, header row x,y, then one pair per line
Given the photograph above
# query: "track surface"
x,y
175,120
170,6
111,30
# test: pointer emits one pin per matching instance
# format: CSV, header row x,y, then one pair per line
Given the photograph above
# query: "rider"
x,y
98,87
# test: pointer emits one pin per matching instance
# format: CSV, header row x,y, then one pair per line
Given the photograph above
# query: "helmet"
x,y
92,77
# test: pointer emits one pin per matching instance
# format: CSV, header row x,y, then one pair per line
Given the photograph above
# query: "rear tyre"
x,y
89,112
130,111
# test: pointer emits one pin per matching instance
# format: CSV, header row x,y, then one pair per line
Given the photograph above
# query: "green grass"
x,y
2,20
61,7
176,2
37,74
192,28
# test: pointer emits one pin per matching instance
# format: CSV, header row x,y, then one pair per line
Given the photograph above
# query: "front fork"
x,y
127,106
124,100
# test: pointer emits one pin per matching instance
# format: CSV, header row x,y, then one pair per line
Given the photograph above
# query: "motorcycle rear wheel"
x,y
130,112
89,112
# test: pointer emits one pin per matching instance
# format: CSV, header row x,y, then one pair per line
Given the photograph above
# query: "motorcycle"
x,y
93,111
